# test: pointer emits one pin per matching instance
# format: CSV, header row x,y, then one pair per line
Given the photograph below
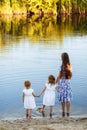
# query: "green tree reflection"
x,y
40,30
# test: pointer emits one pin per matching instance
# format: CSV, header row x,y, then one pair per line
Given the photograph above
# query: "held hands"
x,y
58,89
39,95
42,92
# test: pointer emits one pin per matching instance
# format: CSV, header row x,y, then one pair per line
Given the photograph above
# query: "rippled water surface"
x,y
30,49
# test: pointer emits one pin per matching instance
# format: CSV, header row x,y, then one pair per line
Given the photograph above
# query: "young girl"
x,y
49,96
28,99
63,80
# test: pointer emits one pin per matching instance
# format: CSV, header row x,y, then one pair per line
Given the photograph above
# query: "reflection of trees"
x,y
79,24
45,29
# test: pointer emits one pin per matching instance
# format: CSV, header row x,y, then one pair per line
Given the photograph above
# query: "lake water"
x,y
30,49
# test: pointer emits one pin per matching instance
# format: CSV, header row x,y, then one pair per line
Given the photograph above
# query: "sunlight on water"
x,y
31,51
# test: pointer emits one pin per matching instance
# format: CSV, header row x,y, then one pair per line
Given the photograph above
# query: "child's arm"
x,y
35,95
42,91
58,77
58,89
23,97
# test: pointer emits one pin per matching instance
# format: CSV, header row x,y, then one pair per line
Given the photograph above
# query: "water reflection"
x,y
37,29
80,24
30,48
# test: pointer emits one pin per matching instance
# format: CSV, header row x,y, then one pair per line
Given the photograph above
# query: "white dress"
x,y
29,101
49,95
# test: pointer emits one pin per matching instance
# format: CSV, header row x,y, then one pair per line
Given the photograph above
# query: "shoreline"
x,y
55,123
37,113
11,118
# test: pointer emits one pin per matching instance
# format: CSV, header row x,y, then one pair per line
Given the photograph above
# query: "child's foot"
x,y
63,114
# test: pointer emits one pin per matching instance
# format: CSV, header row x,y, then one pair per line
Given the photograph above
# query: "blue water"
x,y
34,62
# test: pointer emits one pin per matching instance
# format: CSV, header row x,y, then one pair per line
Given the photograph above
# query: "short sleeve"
x,y
46,84
32,90
23,91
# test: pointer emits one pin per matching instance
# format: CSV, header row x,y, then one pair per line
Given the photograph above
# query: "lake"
x,y
30,49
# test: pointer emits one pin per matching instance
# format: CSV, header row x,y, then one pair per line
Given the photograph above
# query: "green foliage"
x,y
61,6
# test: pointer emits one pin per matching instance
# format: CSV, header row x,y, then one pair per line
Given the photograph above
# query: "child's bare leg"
x,y
43,107
51,110
26,113
63,109
30,113
43,114
68,108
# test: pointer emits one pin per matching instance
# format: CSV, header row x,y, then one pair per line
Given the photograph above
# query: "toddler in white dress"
x,y
49,95
28,99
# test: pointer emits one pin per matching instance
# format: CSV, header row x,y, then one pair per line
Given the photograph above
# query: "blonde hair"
x,y
27,84
51,79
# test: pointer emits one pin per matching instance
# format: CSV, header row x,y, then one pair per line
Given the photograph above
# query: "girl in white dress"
x,y
49,96
28,99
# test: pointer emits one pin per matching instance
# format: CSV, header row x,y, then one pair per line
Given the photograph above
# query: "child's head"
x,y
51,79
65,58
27,84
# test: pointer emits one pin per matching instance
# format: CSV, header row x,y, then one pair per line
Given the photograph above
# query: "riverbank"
x,y
45,124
